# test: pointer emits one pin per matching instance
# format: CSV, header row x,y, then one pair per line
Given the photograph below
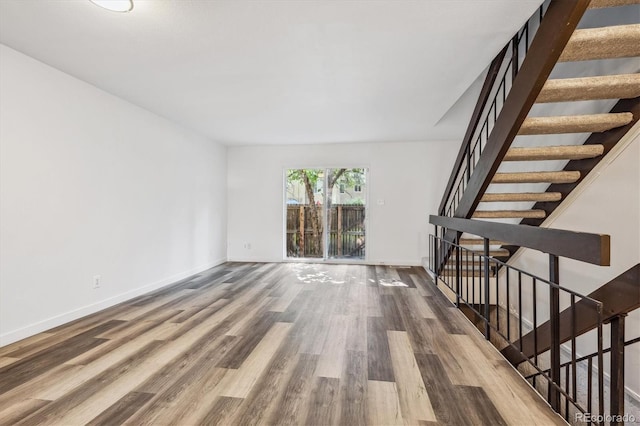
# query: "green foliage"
x,y
346,177
312,174
355,202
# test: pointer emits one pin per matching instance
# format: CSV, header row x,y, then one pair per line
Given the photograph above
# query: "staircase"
x,y
529,143
513,190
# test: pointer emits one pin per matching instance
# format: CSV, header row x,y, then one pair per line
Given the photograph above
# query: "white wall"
x,y
606,202
93,185
409,177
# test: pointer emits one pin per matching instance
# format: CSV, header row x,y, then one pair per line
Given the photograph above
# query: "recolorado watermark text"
x,y
601,418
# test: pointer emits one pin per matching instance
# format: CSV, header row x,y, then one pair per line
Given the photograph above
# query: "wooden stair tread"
x,y
565,152
619,41
476,265
492,253
537,177
509,214
521,196
600,4
620,86
590,123
478,242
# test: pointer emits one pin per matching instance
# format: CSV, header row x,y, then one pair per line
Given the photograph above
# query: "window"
x,y
342,188
357,188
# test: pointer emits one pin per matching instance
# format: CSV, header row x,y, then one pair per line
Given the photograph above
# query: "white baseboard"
x,y
44,325
255,259
396,262
329,261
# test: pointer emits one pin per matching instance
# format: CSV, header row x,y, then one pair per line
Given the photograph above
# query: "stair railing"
x,y
620,297
585,368
534,317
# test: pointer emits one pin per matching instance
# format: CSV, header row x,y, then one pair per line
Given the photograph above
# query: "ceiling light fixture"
x,y
115,5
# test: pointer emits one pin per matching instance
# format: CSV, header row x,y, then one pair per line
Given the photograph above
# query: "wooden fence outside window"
x,y
346,231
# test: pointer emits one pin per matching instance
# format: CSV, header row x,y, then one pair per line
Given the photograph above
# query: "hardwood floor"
x,y
248,344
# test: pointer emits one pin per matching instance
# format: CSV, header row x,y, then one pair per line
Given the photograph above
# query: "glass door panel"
x,y
345,213
305,214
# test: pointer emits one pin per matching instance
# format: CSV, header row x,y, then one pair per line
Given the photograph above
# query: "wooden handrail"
x,y
619,296
556,28
487,87
586,247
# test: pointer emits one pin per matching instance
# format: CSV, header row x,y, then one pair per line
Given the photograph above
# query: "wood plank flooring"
x,y
256,343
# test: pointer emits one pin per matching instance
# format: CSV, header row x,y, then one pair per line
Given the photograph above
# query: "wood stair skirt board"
x,y
509,214
622,86
599,4
592,123
521,196
620,41
542,153
537,177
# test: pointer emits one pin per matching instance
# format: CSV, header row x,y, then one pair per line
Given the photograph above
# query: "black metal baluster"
x,y
520,309
487,134
574,333
468,154
514,58
472,260
600,367
436,263
497,300
473,289
566,399
508,307
590,385
458,275
431,252
487,294
535,327
504,95
554,320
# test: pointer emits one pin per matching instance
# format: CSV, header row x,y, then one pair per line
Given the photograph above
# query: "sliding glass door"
x,y
326,224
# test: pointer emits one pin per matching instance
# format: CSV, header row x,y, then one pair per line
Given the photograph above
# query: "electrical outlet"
x,y
97,280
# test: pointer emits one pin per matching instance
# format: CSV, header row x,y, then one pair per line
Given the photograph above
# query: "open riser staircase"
x,y
503,195
528,145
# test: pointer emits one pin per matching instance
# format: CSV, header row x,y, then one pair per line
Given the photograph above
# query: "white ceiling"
x,y
270,72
